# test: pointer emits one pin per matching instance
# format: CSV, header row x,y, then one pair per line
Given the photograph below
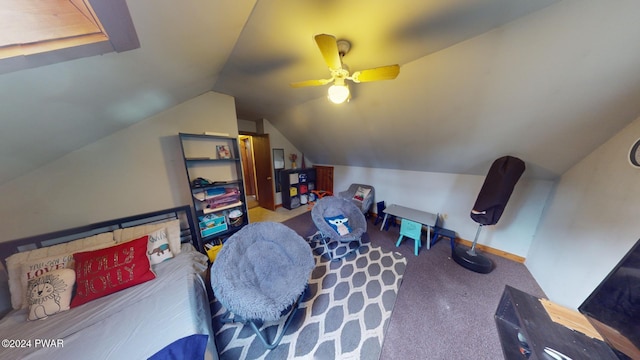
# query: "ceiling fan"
x,y
333,51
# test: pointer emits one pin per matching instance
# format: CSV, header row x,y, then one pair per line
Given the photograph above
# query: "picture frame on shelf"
x,y
223,152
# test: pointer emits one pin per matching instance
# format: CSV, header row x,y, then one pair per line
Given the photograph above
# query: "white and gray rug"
x,y
344,313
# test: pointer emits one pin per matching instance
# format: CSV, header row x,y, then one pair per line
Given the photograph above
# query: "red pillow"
x,y
105,271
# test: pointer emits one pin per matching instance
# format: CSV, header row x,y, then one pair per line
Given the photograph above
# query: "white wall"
x,y
590,223
135,170
454,195
247,126
278,141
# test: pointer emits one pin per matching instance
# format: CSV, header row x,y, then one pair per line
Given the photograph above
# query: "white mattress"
x,y
131,324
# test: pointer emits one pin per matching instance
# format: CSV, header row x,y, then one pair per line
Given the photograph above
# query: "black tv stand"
x,y
519,312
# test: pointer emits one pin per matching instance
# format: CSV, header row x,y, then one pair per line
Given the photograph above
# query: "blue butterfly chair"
x,y
337,246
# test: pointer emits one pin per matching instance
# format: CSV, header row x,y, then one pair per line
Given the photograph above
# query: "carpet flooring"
x,y
442,311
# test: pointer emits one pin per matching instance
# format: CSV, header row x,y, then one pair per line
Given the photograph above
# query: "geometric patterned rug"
x,y
343,314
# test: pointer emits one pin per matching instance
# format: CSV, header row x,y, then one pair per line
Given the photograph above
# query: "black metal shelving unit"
x,y
222,192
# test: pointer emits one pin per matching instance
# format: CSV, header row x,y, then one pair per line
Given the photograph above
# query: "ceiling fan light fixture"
x,y
333,51
339,93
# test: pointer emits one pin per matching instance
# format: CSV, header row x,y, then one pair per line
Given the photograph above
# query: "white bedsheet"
x,y
131,324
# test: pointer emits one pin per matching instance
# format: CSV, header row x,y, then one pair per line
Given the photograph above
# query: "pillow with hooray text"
x,y
103,272
50,293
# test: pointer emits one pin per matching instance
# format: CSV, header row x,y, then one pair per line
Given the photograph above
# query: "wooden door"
x,y
264,177
324,177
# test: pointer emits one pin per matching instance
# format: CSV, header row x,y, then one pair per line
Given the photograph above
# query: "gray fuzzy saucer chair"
x,y
366,192
338,237
261,274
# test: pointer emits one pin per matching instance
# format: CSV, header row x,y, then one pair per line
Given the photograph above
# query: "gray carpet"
x,y
443,311
343,314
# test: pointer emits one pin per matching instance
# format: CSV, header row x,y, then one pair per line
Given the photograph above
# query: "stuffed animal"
x,y
340,224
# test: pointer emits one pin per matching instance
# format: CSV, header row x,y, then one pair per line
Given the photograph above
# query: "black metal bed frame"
x,y
183,213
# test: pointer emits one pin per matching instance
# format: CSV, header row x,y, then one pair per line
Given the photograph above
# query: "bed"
x,y
166,317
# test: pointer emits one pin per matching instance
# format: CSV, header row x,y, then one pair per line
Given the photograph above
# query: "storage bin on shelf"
x,y
213,250
236,218
212,224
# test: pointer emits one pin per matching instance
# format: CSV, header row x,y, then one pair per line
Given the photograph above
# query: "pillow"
x,y
50,293
103,272
361,193
15,261
37,267
339,223
173,233
158,247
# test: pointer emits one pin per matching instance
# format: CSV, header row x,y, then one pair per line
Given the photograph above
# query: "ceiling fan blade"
x,y
329,48
388,72
311,83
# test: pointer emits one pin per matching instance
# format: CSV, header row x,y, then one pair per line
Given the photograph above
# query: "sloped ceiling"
x,y
49,111
544,80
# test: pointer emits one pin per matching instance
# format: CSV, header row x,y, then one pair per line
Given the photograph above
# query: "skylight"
x,y
40,32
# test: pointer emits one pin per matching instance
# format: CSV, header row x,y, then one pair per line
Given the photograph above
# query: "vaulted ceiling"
x,y
544,80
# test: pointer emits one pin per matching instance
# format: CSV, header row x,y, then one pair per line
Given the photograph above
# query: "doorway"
x,y
255,151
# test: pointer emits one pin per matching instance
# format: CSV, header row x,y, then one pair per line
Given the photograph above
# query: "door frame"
x,y
260,161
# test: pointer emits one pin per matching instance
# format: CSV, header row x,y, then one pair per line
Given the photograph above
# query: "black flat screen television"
x,y
613,308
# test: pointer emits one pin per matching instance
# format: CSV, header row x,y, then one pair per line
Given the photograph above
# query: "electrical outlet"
x,y
444,216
